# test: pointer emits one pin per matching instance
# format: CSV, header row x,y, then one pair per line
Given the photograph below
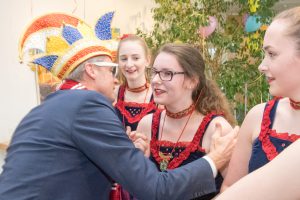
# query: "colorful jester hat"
x,y
60,42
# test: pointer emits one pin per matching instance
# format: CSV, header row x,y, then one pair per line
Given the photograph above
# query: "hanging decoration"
x,y
254,42
253,5
264,27
252,23
205,31
244,18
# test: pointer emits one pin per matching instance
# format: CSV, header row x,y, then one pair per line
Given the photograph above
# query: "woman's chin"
x,y
275,93
158,100
131,77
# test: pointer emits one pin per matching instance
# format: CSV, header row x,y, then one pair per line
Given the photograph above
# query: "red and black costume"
x,y
269,143
182,152
130,113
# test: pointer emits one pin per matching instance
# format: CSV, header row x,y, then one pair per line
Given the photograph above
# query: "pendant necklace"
x,y
166,158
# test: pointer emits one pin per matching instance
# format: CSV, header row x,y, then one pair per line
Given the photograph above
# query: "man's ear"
x,y
90,70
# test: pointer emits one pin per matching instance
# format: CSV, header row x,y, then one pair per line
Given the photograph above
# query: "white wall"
x,y
17,82
2,155
18,88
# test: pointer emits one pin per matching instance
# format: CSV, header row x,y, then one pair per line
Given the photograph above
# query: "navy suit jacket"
x,y
73,145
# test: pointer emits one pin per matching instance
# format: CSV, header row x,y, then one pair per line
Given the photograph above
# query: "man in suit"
x,y
73,145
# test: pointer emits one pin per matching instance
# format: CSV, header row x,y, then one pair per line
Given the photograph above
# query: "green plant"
x,y
231,54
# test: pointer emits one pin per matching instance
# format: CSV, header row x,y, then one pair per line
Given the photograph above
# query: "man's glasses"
x,y
164,75
114,66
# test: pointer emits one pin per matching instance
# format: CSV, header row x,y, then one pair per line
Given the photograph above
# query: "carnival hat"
x,y
60,42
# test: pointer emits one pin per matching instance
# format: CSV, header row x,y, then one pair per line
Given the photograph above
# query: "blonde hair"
x,y
207,94
141,41
292,16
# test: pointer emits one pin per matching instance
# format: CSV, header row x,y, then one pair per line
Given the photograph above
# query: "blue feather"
x,y
46,61
71,34
103,26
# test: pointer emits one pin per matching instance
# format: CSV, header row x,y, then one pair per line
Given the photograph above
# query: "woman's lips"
x,y
270,79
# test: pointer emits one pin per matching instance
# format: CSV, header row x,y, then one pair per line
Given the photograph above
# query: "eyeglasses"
x,y
113,66
164,75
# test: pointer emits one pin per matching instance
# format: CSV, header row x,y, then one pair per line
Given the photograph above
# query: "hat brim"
x,y
105,64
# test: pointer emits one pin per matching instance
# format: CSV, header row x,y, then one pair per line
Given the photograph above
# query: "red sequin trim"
x,y
47,21
165,143
121,104
192,146
267,146
69,84
284,136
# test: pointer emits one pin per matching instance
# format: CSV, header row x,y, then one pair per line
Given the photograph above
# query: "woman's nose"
x,y
155,78
262,67
129,63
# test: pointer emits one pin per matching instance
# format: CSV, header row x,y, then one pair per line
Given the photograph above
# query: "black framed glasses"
x,y
113,66
164,75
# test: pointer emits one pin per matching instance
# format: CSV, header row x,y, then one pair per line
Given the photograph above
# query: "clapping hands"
x,y
139,140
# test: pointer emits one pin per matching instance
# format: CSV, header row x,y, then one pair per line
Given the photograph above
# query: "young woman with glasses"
x,y
194,106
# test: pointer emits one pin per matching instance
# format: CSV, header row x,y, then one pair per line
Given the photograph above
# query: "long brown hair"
x,y
210,96
134,38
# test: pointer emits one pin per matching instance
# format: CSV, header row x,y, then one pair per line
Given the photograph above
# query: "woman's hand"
x,y
139,140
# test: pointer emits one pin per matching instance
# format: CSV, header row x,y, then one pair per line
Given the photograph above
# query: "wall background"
x,y
17,83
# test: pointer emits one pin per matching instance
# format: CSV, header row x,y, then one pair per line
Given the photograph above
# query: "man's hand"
x,y
221,147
